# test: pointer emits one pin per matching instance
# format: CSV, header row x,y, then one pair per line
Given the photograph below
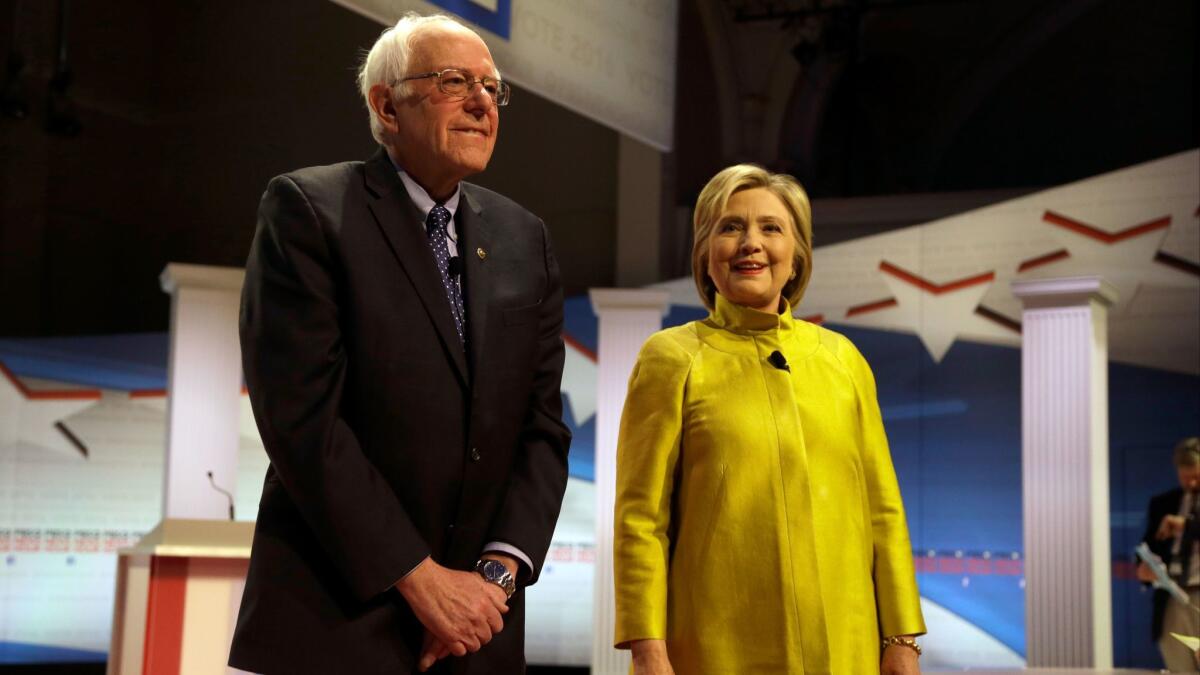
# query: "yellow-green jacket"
x,y
758,524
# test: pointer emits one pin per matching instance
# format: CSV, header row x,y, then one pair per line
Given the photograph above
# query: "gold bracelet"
x,y
902,641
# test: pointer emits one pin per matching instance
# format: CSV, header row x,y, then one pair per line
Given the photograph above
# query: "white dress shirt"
x,y
424,203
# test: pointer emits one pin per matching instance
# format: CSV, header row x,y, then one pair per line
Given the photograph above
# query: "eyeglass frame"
x,y
503,89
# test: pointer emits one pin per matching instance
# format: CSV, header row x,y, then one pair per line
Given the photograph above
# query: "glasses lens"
x,y
453,82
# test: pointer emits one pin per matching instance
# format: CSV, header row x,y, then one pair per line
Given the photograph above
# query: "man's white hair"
x,y
388,59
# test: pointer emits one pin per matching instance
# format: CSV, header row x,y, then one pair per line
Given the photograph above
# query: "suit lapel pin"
x,y
481,253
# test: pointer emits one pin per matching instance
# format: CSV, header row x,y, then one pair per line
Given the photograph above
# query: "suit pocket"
x,y
521,315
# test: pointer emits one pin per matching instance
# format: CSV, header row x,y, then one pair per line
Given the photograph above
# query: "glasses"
x,y
460,84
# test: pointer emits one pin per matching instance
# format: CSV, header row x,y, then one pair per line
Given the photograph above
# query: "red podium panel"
x,y
177,597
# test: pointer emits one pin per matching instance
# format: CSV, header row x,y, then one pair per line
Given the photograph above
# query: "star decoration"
x,y
1126,258
36,417
937,313
579,380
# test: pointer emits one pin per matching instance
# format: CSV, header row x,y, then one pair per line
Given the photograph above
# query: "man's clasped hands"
x,y
461,611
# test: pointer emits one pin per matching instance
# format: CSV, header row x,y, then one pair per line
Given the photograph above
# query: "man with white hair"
x,y
401,345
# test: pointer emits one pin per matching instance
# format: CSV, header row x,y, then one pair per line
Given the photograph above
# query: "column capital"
x,y
604,299
179,275
1064,292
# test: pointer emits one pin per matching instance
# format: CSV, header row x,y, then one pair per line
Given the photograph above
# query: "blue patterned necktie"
x,y
435,227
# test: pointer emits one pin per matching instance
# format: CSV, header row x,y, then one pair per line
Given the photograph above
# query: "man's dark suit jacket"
x,y
1161,505
389,443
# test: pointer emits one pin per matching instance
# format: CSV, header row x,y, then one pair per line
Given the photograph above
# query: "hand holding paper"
x,y
1162,579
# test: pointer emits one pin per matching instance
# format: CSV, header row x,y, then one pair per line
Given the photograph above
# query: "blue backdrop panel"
x,y
498,21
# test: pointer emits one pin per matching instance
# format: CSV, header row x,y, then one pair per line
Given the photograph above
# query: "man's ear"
x,y
383,105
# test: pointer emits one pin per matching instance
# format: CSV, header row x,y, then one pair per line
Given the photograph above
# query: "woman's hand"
x,y
650,657
899,660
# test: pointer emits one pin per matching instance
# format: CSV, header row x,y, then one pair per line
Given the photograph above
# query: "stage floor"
x,y
1050,671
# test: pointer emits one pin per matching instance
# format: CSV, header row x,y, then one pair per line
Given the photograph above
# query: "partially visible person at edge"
x,y
401,341
1173,534
758,522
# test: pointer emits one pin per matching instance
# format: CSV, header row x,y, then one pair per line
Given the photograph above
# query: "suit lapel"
x,y
405,233
475,236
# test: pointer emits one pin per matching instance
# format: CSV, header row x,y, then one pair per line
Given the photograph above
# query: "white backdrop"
x,y
610,60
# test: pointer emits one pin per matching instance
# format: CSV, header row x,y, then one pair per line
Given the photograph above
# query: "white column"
x,y
627,318
204,384
1064,471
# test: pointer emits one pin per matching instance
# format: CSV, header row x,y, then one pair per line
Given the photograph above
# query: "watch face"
x,y
495,572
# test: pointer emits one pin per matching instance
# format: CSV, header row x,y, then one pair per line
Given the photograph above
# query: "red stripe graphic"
x,y
579,347
929,286
997,317
48,394
164,615
978,565
968,565
1043,260
1178,263
870,307
1100,235
1124,569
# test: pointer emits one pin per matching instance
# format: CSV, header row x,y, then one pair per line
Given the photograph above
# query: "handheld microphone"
x,y
228,496
776,359
454,266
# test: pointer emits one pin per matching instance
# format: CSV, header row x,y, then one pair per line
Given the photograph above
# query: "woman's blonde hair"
x,y
711,204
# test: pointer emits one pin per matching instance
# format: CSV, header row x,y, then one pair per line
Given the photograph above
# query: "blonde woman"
x,y
759,526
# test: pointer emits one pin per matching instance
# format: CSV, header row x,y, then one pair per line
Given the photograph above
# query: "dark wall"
x,y
912,96
983,95
698,136
1115,88
187,109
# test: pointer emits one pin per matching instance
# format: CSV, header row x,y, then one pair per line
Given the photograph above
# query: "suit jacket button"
x,y
475,454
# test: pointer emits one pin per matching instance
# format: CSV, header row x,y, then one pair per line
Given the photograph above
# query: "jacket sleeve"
x,y
896,596
539,476
295,369
1159,507
648,447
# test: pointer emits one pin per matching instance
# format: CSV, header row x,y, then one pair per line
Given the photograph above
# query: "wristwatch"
x,y
494,571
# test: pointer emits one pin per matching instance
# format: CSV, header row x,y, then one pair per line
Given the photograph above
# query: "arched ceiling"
x,y
869,97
